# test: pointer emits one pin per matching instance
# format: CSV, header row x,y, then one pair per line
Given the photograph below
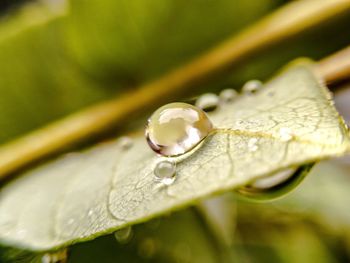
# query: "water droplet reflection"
x,y
176,128
125,142
228,95
275,185
208,102
165,172
251,86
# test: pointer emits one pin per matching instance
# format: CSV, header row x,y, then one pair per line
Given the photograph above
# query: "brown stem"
x,y
336,67
280,25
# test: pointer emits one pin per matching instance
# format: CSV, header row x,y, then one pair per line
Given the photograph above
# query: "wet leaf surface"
x,y
84,195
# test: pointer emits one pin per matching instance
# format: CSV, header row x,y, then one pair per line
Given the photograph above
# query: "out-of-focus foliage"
x,y
57,56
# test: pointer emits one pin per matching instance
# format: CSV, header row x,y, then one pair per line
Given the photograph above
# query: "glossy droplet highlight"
x,y
123,235
165,172
251,86
285,134
176,128
208,102
273,180
253,145
276,184
228,95
125,142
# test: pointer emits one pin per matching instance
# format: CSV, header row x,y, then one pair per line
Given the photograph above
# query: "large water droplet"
x,y
251,86
228,95
275,185
176,128
59,256
123,235
208,102
165,172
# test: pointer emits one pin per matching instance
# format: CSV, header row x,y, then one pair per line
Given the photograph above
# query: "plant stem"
x,y
336,67
280,25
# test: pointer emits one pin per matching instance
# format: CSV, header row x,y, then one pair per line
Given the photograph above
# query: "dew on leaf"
x,y
176,128
228,95
125,142
273,180
165,172
252,145
123,235
208,102
251,86
90,212
285,134
275,185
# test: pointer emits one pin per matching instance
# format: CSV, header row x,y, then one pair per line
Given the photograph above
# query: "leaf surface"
x,y
84,195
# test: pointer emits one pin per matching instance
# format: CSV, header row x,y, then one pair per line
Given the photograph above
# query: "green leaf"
x,y
156,241
85,195
58,57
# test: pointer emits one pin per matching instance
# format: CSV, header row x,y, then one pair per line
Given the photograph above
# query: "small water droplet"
x,y
239,122
59,256
91,212
252,145
228,95
123,235
252,86
208,102
125,142
165,172
285,134
176,128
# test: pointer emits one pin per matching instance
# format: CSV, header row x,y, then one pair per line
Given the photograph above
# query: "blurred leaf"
x,y
142,39
180,237
38,81
59,56
85,195
311,222
280,239
324,197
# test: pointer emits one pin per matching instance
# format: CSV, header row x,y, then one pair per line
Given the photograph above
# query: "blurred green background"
x,y
57,56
